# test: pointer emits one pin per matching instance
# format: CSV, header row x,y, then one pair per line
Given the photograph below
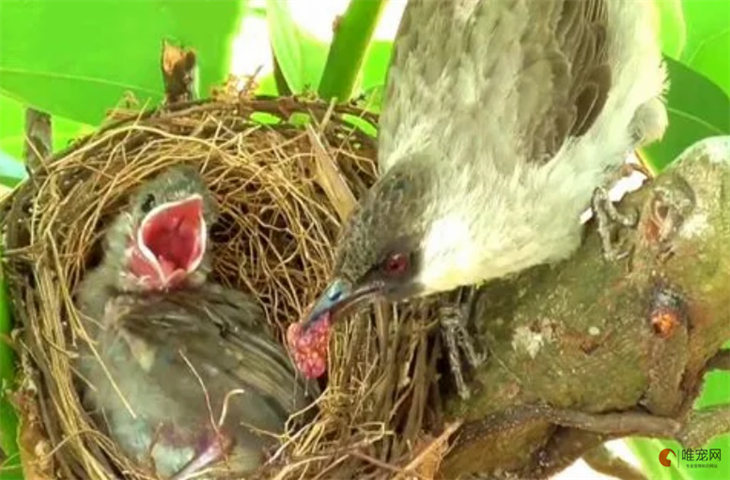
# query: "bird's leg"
x,y
606,218
454,320
218,447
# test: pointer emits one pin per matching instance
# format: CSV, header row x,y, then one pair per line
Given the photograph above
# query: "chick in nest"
x,y
181,372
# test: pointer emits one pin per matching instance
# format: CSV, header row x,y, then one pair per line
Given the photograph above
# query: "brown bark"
x,y
179,70
588,350
38,138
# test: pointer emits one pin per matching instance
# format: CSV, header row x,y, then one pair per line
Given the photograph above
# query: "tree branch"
x,y
596,350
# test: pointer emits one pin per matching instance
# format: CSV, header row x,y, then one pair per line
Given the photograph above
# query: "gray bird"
x,y
500,120
183,373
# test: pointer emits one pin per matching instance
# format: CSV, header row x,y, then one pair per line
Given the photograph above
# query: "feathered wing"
x,y
222,335
190,363
507,80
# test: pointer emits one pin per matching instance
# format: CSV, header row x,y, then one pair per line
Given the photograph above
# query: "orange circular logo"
x,y
663,456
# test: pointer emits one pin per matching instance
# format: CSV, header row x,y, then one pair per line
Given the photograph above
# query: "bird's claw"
x,y
453,321
607,217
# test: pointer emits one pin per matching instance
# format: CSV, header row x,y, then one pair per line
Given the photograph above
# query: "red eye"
x,y
396,264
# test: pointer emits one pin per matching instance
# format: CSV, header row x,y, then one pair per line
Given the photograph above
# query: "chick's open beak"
x,y
341,295
172,236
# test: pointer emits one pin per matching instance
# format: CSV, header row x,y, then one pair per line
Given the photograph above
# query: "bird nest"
x,y
285,173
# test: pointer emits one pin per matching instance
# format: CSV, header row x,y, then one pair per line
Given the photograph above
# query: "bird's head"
x,y
161,240
410,236
398,243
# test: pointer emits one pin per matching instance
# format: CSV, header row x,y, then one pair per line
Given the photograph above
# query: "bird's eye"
x,y
148,203
396,264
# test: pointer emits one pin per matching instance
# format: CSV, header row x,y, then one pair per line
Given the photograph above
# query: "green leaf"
x,y
8,419
300,56
647,451
349,46
672,27
10,469
267,85
361,124
12,138
77,58
697,109
715,389
707,48
376,65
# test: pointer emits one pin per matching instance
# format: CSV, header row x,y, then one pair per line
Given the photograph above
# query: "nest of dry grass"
x,y
281,212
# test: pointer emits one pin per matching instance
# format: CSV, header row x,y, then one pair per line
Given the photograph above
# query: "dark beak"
x,y
341,295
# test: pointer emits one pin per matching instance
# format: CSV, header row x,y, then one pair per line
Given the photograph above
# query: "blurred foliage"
x,y
12,127
695,37
697,108
77,59
707,47
300,56
672,27
8,421
91,55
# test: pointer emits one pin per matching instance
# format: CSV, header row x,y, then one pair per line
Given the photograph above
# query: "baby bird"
x,y
181,372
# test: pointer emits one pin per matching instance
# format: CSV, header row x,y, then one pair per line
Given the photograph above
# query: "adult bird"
x,y
500,120
181,372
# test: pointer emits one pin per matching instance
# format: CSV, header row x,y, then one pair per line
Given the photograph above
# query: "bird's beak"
x,y
172,237
341,295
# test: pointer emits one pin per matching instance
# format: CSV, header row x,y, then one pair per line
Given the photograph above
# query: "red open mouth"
x,y
172,237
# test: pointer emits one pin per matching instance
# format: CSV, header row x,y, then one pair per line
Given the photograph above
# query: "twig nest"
x,y
271,173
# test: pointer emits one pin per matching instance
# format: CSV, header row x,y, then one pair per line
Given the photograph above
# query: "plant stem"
x,y
353,32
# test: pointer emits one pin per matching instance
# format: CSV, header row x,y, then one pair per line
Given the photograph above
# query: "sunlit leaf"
x,y
673,28
697,109
376,65
300,56
707,48
361,124
267,85
77,58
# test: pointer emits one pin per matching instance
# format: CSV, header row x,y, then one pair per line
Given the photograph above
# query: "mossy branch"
x,y
588,350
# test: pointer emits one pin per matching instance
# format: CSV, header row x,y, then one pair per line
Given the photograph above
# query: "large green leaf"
x,y
77,58
673,28
707,47
697,109
300,56
349,46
